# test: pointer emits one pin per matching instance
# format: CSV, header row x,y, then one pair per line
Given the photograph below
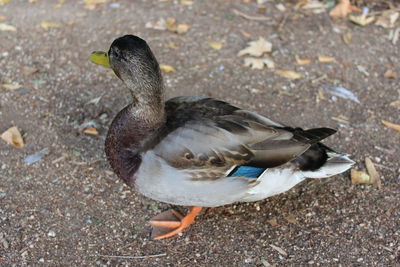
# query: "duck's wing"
x,y
210,153
204,133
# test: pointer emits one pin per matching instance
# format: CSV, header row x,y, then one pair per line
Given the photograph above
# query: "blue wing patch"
x,y
246,171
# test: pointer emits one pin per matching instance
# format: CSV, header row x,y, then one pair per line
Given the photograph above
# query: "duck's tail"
x,y
335,163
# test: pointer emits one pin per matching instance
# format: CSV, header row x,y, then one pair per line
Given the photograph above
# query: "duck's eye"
x,y
116,53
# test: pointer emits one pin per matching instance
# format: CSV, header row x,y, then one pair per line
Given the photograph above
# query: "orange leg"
x,y
171,222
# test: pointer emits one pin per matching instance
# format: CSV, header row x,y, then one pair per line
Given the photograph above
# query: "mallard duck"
x,y
199,151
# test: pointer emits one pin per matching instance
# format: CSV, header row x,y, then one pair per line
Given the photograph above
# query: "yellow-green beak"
x,y
100,58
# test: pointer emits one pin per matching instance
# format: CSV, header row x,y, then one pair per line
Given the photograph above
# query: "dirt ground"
x,y
68,209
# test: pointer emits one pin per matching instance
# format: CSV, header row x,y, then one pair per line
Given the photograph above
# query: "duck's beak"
x,y
100,58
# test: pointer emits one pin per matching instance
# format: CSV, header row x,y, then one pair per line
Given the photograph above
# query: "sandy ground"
x,y
68,209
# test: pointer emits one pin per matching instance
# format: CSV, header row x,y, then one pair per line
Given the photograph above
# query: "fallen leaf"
x,y
186,2
325,59
29,70
7,27
160,25
291,218
390,74
171,24
170,45
388,19
182,28
395,104
256,48
280,250
359,177
347,37
289,74
374,175
342,9
92,4
391,125
13,137
273,222
315,6
11,86
2,18
215,45
362,20
167,68
394,35
3,2
91,131
302,61
49,24
280,7
258,63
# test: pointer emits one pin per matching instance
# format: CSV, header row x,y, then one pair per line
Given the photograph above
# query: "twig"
x,y
259,18
131,257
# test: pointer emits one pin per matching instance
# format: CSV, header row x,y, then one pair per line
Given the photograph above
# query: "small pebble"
x,y
248,260
41,260
51,234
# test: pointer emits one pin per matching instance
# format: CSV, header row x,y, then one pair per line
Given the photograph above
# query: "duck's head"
x,y
133,62
130,56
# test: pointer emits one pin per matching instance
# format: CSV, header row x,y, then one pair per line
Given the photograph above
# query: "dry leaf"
x,y
2,18
258,63
395,104
315,6
171,24
325,59
273,222
49,24
388,19
186,2
359,177
291,218
280,7
342,9
390,74
171,45
302,61
215,45
289,74
347,37
391,125
362,20
92,4
374,175
7,27
29,70
13,137
167,68
394,35
160,25
91,131
11,86
256,48
3,2
182,28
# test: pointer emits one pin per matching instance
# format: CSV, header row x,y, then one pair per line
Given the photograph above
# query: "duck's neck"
x,y
147,97
132,127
